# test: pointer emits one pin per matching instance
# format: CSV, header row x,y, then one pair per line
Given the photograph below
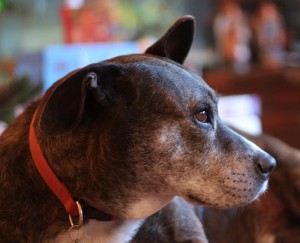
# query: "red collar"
x,y
56,186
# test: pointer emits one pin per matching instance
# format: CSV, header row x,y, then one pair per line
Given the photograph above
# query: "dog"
x,y
119,150
275,217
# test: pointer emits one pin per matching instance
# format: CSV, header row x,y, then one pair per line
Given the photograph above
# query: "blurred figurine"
x,y
269,34
232,35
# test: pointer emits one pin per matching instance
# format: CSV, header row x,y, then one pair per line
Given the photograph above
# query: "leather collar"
x,y
58,188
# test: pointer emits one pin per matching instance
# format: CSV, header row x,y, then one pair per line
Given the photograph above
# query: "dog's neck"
x,y
24,167
58,188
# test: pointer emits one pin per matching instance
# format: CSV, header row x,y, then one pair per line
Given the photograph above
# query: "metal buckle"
x,y
80,218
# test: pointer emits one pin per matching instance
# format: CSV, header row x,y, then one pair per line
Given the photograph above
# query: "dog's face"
x,y
132,132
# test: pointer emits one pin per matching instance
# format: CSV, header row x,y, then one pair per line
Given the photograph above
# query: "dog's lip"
x,y
195,200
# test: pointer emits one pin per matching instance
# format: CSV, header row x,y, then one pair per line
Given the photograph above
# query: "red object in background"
x,y
67,22
92,21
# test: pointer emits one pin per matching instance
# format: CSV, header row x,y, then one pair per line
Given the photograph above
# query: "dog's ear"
x,y
66,102
177,41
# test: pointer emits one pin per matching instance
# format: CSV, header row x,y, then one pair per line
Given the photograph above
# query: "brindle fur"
x,y
127,145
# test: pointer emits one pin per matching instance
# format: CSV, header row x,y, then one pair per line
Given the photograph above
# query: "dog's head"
x,y
128,134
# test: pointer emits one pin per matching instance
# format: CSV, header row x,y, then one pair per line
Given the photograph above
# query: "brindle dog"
x,y
126,136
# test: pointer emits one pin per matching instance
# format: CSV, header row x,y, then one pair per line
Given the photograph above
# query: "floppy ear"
x,y
66,102
176,43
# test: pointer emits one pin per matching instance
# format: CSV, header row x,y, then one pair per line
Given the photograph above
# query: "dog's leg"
x,y
177,222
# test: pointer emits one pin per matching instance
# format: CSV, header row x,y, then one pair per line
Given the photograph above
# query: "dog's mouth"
x,y
195,200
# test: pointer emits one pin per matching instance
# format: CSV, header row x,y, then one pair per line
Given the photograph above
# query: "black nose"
x,y
266,165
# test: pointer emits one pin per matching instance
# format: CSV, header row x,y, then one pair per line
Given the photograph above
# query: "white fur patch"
x,y
103,232
170,138
147,206
263,188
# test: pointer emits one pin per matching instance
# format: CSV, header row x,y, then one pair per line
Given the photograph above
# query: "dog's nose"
x,y
266,165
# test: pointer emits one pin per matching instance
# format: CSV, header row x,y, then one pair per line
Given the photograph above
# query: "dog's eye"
x,y
202,116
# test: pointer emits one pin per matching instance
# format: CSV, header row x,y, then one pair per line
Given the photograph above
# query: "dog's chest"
x,y
102,232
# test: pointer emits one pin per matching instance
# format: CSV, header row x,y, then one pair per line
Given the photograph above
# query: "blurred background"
x,y
248,50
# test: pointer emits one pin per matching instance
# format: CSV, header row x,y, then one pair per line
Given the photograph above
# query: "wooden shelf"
x,y
279,90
